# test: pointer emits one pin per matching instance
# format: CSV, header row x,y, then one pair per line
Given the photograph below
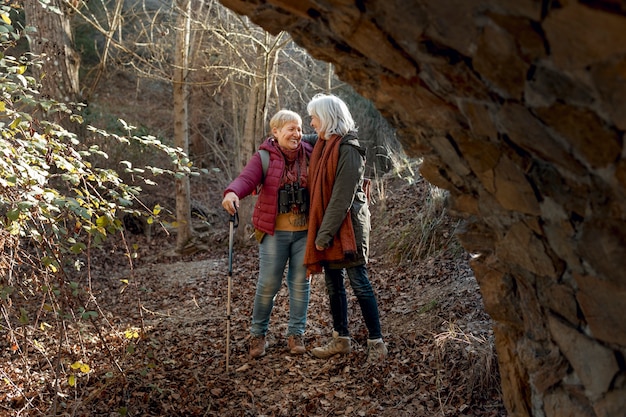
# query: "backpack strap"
x,y
265,161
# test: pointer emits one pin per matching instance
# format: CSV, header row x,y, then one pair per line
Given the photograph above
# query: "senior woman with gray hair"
x,y
339,224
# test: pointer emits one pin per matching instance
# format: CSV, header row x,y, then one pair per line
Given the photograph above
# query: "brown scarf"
x,y
323,168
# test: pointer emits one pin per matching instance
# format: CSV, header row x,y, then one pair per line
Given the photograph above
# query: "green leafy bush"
x,y
55,204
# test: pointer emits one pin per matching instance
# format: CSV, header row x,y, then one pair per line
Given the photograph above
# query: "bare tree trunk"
x,y
247,148
181,122
251,123
329,78
54,42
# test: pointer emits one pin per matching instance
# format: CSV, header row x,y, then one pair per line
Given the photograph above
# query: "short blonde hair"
x,y
282,117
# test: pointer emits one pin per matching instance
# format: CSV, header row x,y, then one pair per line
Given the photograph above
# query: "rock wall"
x,y
519,110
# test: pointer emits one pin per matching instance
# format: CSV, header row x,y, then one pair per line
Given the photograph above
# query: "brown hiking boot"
x,y
257,346
376,350
295,344
338,344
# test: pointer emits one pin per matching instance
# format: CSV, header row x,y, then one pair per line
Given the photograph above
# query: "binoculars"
x,y
293,197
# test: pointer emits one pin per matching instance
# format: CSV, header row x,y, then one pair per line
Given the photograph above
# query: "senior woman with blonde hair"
x,y
339,224
280,221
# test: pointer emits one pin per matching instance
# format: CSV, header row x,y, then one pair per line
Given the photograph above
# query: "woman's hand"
x,y
231,203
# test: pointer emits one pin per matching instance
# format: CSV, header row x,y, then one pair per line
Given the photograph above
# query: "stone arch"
x,y
519,110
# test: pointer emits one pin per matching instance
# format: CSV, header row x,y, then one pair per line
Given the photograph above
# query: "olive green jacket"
x,y
347,194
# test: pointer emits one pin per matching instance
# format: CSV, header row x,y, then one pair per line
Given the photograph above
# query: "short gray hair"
x,y
333,113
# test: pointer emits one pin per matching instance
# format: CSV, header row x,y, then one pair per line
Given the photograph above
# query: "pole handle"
x,y
233,223
234,219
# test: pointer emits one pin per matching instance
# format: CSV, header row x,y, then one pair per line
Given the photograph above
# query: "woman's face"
x,y
316,124
289,135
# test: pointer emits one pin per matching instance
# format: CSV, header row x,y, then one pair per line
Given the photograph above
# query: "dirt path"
x,y
437,334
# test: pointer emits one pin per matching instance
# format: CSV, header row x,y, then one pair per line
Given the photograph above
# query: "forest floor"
x,y
165,346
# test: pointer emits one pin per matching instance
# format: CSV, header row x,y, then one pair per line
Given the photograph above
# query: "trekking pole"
x,y
234,222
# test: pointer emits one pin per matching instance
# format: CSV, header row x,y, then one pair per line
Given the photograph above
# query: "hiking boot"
x,y
376,350
338,344
257,346
295,344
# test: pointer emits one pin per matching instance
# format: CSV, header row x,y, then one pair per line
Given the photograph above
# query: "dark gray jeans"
x,y
364,293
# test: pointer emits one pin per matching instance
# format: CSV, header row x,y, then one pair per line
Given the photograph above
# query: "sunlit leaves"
x,y
80,367
6,29
83,367
131,333
31,161
50,263
56,202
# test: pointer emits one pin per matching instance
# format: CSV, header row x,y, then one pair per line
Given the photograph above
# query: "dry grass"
x,y
423,229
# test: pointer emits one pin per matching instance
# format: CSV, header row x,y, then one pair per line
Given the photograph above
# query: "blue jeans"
x,y
364,293
274,253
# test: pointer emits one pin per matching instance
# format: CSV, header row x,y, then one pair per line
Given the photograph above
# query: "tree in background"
x,y
239,75
181,121
53,43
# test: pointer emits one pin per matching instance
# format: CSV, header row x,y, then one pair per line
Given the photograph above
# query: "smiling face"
x,y
289,135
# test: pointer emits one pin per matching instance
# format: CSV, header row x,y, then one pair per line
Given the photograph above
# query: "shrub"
x,y
55,204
